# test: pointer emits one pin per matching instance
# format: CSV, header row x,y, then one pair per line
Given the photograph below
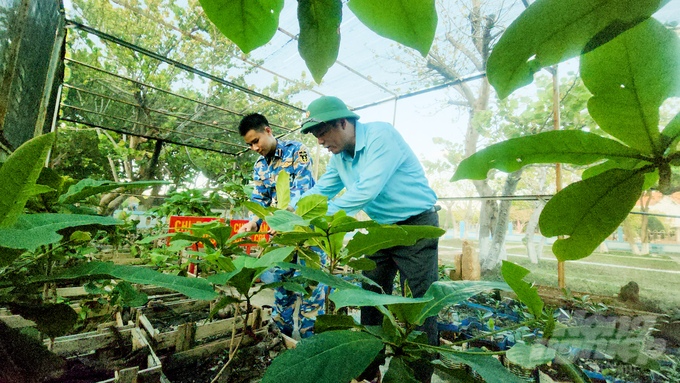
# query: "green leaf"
x,y
319,40
271,258
249,24
130,297
399,372
319,276
34,230
52,319
7,256
671,133
513,275
284,220
290,286
325,323
153,238
19,174
350,352
39,189
80,236
196,288
488,367
409,22
257,209
551,31
589,211
362,264
562,146
630,77
384,237
293,238
449,293
29,358
347,224
360,297
89,187
530,356
312,206
282,190
651,178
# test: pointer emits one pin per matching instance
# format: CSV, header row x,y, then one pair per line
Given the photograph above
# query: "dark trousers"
x,y
418,265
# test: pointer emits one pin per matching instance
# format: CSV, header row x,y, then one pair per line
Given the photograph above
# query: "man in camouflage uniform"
x,y
292,313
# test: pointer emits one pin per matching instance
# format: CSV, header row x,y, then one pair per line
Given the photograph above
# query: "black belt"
x,y
431,210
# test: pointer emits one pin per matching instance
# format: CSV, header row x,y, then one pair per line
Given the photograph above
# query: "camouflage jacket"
x,y
293,157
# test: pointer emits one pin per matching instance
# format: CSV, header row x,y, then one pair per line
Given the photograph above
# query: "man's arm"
x,y
383,158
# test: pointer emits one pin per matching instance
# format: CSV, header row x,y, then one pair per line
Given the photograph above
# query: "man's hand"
x,y
249,227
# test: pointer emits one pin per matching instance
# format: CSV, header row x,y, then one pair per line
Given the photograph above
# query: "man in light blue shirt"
x,y
383,177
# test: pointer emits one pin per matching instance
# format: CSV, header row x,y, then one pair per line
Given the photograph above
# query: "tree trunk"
x,y
630,237
532,252
644,235
498,243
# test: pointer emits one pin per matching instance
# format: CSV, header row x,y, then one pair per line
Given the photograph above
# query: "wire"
x,y
177,64
69,60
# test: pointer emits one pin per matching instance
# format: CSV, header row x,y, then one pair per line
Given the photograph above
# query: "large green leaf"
x,y
257,209
312,206
34,230
488,367
399,372
7,255
384,237
284,220
589,211
325,323
551,31
530,356
566,146
630,77
329,357
19,175
360,297
409,22
271,258
347,224
319,276
319,34
444,294
89,187
196,288
282,190
513,275
651,179
248,23
293,238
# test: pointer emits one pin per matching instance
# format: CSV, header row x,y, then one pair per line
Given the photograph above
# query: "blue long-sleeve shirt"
x,y
384,178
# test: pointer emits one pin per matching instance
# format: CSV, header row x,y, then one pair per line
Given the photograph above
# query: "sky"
x,y
419,119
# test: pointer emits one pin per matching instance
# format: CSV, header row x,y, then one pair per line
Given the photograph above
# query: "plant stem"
x,y
444,349
571,369
485,335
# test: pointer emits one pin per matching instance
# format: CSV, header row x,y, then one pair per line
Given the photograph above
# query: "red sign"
x,y
184,223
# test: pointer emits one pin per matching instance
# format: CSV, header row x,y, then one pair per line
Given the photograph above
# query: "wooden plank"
x,y
184,337
127,375
289,342
70,292
143,322
80,343
210,348
17,321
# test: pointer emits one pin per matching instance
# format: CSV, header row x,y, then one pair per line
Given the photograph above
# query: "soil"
x,y
101,364
249,364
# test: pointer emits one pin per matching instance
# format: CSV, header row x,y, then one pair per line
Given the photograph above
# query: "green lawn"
x,y
602,274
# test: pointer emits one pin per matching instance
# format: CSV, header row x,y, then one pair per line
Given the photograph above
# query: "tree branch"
x,y
463,49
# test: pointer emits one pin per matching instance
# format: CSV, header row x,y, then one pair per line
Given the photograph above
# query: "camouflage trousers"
x,y
294,313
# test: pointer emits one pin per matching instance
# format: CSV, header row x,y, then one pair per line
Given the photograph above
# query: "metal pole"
x,y
561,282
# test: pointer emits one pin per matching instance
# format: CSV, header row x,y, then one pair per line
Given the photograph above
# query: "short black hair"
x,y
253,121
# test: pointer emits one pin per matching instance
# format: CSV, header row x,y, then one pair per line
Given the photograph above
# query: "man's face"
x,y
263,142
333,138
